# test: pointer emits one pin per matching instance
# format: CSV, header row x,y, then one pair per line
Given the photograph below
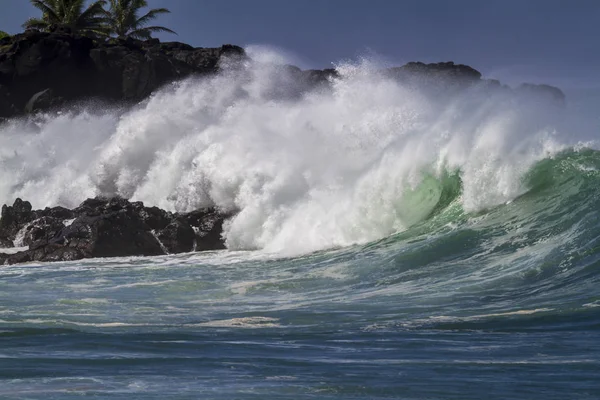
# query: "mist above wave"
x,y
329,167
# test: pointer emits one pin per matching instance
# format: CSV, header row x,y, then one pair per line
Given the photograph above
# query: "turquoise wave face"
x,y
572,176
536,254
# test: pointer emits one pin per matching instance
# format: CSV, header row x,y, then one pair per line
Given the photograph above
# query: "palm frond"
x,y
157,29
122,18
35,23
95,9
46,8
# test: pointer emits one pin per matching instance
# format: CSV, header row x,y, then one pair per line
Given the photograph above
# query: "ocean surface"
x,y
389,244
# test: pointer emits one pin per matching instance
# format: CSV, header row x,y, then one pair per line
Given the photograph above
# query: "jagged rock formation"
x,y
101,227
40,70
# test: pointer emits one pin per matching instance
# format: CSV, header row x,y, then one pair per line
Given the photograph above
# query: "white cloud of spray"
x,y
329,168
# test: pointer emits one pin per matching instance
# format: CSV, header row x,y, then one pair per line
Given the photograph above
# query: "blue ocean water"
x,y
498,304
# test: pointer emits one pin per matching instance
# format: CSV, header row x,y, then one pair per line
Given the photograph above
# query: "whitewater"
x,y
388,241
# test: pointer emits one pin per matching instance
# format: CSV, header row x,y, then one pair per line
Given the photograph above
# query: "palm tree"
x,y
123,19
68,13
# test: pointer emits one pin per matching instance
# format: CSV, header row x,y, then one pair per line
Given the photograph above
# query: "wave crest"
x,y
331,167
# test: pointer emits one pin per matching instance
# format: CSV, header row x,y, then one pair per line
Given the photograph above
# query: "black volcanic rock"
x,y
5,243
33,224
111,234
41,229
156,218
41,70
43,100
208,226
102,227
12,219
177,237
61,213
545,92
436,78
443,70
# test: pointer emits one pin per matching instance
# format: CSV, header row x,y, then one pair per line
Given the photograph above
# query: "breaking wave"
x,y
347,164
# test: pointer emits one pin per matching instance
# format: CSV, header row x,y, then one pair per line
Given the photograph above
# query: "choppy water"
x,y
389,245
504,304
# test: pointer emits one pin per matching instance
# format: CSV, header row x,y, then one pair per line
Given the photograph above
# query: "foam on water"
x,y
327,169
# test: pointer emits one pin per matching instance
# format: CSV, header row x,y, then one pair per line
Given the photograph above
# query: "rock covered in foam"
x,y
41,229
18,220
111,227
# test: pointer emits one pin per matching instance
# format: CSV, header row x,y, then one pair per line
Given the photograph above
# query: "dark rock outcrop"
x,y
40,70
111,227
543,92
12,219
177,237
41,229
208,226
443,70
21,220
436,78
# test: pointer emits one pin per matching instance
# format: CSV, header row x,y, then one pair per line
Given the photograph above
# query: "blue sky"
x,y
553,41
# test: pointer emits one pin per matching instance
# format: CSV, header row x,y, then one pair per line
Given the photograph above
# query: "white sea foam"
x,y
244,322
330,168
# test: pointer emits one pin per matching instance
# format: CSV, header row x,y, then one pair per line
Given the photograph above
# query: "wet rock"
x,y
6,243
208,226
47,252
177,237
156,218
43,100
13,218
60,213
112,234
41,229
107,227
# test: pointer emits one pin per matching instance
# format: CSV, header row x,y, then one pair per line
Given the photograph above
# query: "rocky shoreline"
x,y
99,227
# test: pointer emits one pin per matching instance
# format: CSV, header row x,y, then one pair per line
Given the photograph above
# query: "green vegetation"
x,y
3,34
68,13
121,19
